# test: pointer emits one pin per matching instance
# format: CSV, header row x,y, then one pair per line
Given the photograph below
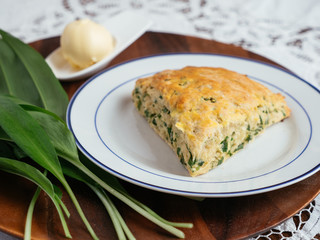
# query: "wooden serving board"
x,y
213,218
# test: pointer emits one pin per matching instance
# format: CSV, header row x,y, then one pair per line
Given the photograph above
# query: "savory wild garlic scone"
x,y
206,114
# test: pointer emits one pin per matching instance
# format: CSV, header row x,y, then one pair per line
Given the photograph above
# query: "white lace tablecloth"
x,y
287,31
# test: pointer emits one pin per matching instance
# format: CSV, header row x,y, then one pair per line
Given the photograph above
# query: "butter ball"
x,y
84,42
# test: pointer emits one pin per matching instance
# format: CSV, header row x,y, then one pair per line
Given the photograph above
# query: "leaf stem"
x,y
62,219
122,222
129,202
65,209
78,207
175,224
106,202
27,228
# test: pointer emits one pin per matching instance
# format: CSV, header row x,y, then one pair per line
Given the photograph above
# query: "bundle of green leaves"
x,y
33,105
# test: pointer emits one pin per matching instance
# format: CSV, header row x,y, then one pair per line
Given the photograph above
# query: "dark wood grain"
x,y
213,218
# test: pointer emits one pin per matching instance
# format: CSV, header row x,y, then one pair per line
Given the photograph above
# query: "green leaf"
x,y
3,85
15,79
52,95
31,173
28,135
3,135
58,132
56,129
27,171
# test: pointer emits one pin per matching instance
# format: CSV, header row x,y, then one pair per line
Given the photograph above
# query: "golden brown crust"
x,y
203,101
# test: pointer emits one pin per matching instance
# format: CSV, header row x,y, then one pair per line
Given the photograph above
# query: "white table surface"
x,y
287,31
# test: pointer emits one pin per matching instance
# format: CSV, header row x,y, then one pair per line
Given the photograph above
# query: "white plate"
x,y
125,27
113,135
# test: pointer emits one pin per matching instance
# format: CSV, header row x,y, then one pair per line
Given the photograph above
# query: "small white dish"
x,y
125,27
111,133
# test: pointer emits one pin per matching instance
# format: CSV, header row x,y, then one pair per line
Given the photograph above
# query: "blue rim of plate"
x,y
193,193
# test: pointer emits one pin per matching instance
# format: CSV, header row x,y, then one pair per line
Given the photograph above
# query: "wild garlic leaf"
x,y
27,171
15,79
52,95
28,135
3,84
56,129
58,132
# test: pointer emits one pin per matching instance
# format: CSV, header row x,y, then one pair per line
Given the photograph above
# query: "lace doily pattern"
x,y
287,31
301,226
